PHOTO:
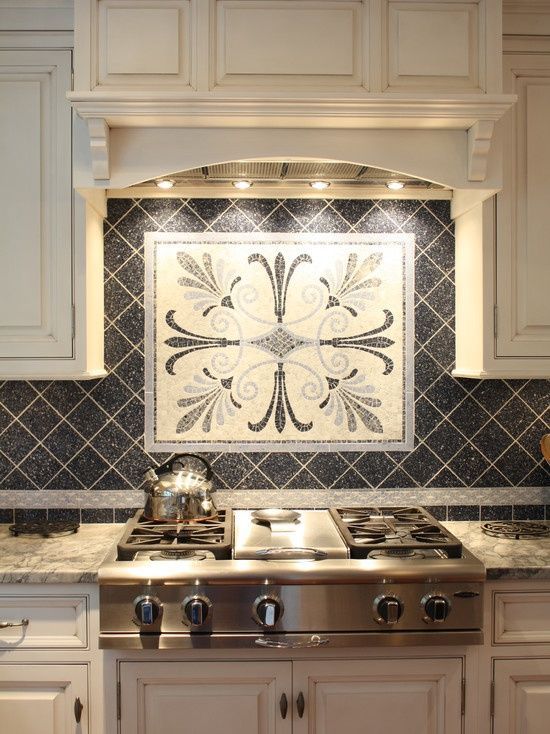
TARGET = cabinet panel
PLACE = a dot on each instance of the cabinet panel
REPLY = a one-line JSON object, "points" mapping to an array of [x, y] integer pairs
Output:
{"points": [[234, 698], [144, 43], [54, 622], [380, 695], [272, 43], [523, 255], [522, 696], [40, 699], [433, 45], [521, 618], [35, 180]]}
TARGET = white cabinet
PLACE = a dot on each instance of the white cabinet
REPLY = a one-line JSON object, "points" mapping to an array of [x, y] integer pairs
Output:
{"points": [[376, 696], [43, 699], [521, 696], [249, 697], [502, 252], [233, 698], [49, 279]]}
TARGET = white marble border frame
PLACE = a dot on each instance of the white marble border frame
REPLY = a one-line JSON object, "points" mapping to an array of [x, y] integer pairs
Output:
{"points": [[152, 238]]}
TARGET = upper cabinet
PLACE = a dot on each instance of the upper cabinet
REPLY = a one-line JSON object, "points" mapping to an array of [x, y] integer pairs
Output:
{"points": [[47, 286], [503, 257], [277, 45]]}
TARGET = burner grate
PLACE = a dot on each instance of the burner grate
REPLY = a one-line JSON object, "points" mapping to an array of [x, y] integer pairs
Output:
{"points": [[516, 529], [393, 528], [172, 537], [44, 529]]}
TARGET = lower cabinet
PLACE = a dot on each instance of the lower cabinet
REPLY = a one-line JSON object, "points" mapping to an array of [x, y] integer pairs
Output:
{"points": [[43, 699], [521, 696], [325, 697]]}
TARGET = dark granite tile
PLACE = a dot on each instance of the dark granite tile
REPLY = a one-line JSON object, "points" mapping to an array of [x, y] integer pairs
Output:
{"points": [[422, 464], [426, 418], [185, 220], [398, 478], [6, 516], [112, 480], [303, 210], [353, 209], [445, 441], [64, 442], [350, 480], [442, 347], [16, 395], [18, 481], [116, 251], [87, 418], [64, 480], [426, 275], [328, 221], [539, 477], [374, 466], [426, 227], [232, 221], [515, 464], [5, 418], [463, 512], [133, 226], [64, 514], [528, 512], [469, 464], [256, 209], [112, 442], [122, 514], [400, 211], [40, 466], [492, 394], [232, 468], [304, 480], [426, 371], [536, 394], [442, 210], [279, 468], [133, 465], [445, 480], [111, 394], [117, 208], [39, 418], [492, 478], [132, 323], [492, 440], [162, 209], [131, 275], [442, 252], [116, 298], [25, 515], [438, 511], [375, 221], [327, 467], [469, 417], [427, 323], [445, 393], [16, 442], [209, 209], [442, 298], [515, 416], [255, 480], [131, 418], [280, 220], [64, 395], [97, 514], [132, 370], [88, 466], [496, 512], [117, 347]]}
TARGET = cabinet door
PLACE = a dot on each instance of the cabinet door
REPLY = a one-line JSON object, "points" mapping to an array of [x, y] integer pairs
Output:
{"points": [[36, 206], [40, 699], [379, 696], [522, 696], [176, 698], [523, 254]]}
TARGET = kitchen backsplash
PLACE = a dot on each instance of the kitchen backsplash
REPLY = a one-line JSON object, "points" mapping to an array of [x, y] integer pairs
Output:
{"points": [[88, 435]]}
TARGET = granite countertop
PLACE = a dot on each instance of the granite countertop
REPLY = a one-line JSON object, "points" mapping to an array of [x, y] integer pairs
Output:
{"points": [[76, 558], [70, 559], [505, 559]]}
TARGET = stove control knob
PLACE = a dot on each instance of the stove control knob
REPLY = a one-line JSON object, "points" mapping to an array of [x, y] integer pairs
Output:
{"points": [[267, 611], [436, 608], [387, 609], [148, 609], [196, 610]]}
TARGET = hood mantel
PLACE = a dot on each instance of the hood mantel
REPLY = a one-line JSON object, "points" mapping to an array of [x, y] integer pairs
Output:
{"points": [[263, 65]]}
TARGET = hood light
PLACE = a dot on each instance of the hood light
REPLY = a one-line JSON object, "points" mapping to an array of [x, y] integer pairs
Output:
{"points": [[165, 183], [395, 185], [319, 185], [242, 184]]}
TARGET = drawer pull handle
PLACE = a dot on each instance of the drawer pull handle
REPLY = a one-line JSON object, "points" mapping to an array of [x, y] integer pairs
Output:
{"points": [[300, 704], [78, 707], [22, 623], [283, 706]]}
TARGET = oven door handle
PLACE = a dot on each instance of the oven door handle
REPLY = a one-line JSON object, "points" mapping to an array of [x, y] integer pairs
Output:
{"points": [[313, 641]]}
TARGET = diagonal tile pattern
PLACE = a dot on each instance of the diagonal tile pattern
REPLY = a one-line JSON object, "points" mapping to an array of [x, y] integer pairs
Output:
{"points": [[89, 435]]}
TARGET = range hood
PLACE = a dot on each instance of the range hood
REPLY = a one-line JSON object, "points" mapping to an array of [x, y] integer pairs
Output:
{"points": [[403, 86]]}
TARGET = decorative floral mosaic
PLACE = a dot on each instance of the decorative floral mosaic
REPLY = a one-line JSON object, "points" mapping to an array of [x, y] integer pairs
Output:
{"points": [[279, 342]]}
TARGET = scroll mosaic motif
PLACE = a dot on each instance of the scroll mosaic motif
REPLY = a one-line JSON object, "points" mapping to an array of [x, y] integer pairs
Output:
{"points": [[279, 342]]}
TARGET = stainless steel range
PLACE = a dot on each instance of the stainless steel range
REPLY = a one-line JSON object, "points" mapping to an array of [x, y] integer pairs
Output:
{"points": [[285, 578]]}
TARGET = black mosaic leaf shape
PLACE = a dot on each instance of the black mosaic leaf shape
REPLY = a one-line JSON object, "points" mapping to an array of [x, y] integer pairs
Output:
{"points": [[281, 403]]}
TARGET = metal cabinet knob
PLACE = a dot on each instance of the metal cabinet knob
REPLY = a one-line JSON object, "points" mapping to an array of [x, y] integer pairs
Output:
{"points": [[283, 706], [301, 705], [22, 623], [78, 708]]}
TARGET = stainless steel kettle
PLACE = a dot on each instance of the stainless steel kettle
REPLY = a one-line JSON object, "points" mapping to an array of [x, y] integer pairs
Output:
{"points": [[180, 490]]}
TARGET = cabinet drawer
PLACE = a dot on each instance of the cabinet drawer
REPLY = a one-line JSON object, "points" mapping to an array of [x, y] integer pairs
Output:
{"points": [[521, 618], [54, 622]]}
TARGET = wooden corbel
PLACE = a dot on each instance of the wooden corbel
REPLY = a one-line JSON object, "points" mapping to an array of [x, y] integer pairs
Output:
{"points": [[479, 145], [99, 147]]}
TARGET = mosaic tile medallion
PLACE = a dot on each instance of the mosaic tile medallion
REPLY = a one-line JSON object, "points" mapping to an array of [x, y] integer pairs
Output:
{"points": [[282, 342]]}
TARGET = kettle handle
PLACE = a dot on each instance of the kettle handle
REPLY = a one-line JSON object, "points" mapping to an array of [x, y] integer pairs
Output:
{"points": [[168, 467]]}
